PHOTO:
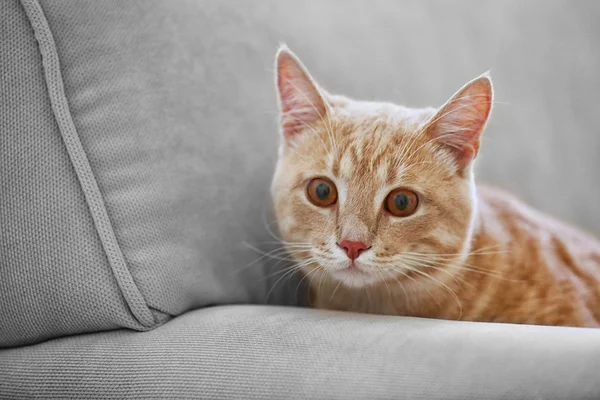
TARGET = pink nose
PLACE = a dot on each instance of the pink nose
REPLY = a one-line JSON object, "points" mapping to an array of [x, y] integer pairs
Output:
{"points": [[352, 248]]}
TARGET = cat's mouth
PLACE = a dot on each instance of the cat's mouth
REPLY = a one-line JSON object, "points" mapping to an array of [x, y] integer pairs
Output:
{"points": [[353, 275], [353, 268]]}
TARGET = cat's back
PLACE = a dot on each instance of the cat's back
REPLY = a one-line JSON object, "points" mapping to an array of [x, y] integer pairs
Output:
{"points": [[518, 219], [556, 266]]}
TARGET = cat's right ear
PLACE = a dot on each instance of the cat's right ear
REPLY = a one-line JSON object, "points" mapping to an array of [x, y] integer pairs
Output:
{"points": [[458, 124], [300, 101]]}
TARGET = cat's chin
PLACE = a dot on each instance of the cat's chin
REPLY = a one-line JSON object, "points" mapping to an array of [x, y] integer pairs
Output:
{"points": [[353, 277]]}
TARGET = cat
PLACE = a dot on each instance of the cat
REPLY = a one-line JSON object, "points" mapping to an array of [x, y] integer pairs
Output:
{"points": [[378, 206]]}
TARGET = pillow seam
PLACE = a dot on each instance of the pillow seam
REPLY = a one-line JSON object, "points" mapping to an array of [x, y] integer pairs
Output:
{"points": [[58, 100]]}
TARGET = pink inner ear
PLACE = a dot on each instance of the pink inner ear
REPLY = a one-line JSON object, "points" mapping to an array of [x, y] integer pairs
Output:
{"points": [[459, 123], [297, 112], [300, 100]]}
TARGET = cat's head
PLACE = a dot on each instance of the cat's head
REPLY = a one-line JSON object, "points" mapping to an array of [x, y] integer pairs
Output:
{"points": [[366, 192]]}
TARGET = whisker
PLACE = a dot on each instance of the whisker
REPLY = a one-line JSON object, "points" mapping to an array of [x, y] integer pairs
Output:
{"points": [[307, 244], [335, 290], [263, 255], [271, 254], [405, 266], [321, 282], [368, 298], [305, 276], [380, 276], [403, 289], [447, 256], [292, 268], [461, 266], [275, 254], [297, 267], [268, 228], [311, 276], [450, 274], [442, 284]]}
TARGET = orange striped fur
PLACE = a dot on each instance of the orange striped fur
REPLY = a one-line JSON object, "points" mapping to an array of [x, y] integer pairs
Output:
{"points": [[467, 253]]}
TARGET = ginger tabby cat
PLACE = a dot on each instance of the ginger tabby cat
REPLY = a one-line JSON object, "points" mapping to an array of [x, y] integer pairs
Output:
{"points": [[378, 206]]}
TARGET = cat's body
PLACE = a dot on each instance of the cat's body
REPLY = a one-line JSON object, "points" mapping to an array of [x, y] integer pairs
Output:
{"points": [[378, 205]]}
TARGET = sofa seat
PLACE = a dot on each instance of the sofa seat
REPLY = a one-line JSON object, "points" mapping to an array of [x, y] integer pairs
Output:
{"points": [[260, 352]]}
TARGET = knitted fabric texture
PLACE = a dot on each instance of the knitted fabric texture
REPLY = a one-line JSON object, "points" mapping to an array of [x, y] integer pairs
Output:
{"points": [[262, 352], [54, 275]]}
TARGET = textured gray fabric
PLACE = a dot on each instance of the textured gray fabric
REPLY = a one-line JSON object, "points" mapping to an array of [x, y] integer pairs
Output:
{"points": [[54, 276], [181, 167], [81, 165], [263, 352]]}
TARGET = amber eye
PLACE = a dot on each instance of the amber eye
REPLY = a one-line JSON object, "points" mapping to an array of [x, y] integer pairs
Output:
{"points": [[401, 202], [321, 192]]}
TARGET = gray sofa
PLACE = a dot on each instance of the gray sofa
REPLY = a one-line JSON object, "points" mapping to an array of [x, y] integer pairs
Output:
{"points": [[137, 141]]}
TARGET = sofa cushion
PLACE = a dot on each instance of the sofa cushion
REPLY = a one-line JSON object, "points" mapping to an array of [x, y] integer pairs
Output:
{"points": [[264, 352]]}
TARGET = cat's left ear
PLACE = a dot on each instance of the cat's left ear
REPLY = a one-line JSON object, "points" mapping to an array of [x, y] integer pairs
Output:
{"points": [[301, 102], [458, 124]]}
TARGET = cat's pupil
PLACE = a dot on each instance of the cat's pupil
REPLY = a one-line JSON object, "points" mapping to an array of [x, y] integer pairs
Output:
{"points": [[401, 201], [323, 191]]}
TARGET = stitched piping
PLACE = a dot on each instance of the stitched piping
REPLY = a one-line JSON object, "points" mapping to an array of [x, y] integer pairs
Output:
{"points": [[82, 167]]}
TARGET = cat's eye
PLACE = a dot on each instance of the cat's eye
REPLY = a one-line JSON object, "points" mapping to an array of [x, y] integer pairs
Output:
{"points": [[321, 192], [401, 202]]}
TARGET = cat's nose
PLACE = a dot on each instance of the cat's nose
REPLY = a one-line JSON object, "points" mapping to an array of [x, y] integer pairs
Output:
{"points": [[353, 248]]}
